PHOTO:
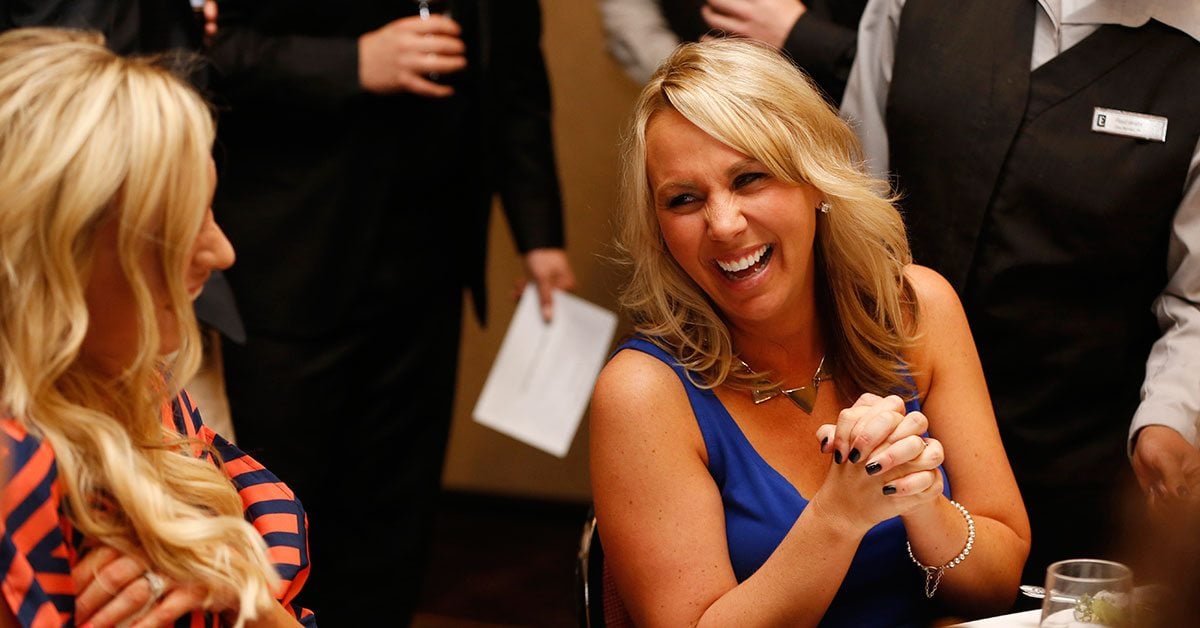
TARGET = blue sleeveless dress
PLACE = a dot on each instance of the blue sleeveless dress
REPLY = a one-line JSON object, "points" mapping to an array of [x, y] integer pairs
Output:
{"points": [[881, 588]]}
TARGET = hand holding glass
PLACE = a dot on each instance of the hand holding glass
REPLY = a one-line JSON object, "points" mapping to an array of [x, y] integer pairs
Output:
{"points": [[425, 8]]}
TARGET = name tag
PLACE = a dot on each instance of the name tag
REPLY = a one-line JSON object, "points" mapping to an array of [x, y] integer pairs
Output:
{"points": [[1140, 125]]}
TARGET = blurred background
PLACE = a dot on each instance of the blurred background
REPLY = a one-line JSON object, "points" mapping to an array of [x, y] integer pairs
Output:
{"points": [[509, 524], [592, 98]]}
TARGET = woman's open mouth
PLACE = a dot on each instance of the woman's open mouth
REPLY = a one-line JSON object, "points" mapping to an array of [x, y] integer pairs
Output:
{"points": [[747, 265]]}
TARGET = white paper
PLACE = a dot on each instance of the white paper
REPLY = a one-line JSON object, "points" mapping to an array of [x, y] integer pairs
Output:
{"points": [[543, 376]]}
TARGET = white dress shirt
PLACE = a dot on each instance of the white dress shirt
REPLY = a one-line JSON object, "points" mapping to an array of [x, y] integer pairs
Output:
{"points": [[639, 37]]}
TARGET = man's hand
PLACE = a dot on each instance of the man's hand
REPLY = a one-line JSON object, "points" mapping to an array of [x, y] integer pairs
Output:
{"points": [[400, 56], [550, 270], [768, 21], [1167, 466]]}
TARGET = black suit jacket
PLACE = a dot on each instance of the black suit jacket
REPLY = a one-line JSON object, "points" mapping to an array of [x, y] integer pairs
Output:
{"points": [[129, 26], [342, 203]]}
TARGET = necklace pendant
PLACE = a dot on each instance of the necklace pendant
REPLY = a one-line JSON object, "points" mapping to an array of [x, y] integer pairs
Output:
{"points": [[760, 396], [805, 397]]}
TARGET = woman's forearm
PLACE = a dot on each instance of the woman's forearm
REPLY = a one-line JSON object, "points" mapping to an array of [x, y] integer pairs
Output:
{"points": [[797, 583], [986, 580]]}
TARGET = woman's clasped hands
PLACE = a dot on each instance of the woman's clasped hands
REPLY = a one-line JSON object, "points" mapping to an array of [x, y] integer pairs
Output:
{"points": [[115, 589], [883, 465]]}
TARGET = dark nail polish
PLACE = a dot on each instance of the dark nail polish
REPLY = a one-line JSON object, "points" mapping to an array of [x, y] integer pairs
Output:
{"points": [[889, 490], [824, 442], [837, 456], [854, 455], [873, 468]]}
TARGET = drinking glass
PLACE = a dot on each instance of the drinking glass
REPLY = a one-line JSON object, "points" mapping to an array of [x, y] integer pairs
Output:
{"points": [[426, 8], [1085, 592]]}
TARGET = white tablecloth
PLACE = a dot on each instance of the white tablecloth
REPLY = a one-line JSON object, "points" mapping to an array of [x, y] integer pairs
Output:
{"points": [[1025, 619]]}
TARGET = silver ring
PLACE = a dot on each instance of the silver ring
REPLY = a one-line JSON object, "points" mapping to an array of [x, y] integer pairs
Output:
{"points": [[158, 586]]}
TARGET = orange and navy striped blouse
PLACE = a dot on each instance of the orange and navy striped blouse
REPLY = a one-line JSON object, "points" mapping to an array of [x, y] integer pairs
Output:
{"points": [[38, 546]]}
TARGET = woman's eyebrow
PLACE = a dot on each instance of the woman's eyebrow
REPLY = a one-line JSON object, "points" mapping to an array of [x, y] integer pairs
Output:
{"points": [[741, 165], [672, 186]]}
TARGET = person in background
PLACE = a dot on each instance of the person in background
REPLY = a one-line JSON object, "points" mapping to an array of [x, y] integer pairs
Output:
{"points": [[129, 26], [1030, 141], [360, 149], [143, 27], [819, 35], [800, 433], [119, 507]]}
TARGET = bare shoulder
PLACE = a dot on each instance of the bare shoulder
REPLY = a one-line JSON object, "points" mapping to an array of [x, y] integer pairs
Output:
{"points": [[630, 371], [640, 410], [633, 385], [935, 296]]}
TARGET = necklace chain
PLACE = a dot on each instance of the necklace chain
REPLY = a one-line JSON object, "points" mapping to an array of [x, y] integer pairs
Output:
{"points": [[805, 397]]}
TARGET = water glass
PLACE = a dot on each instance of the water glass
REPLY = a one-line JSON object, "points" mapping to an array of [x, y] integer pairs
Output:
{"points": [[425, 8], [1085, 592]]}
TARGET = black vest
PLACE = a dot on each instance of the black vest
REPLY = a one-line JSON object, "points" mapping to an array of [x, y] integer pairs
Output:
{"points": [[1055, 236]]}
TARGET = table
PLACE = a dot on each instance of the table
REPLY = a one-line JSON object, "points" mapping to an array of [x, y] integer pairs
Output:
{"points": [[1024, 619]]}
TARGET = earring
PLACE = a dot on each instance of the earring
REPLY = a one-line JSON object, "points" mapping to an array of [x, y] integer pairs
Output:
{"points": [[824, 207]]}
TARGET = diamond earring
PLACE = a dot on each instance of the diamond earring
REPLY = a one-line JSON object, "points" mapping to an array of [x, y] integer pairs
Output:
{"points": [[824, 207]]}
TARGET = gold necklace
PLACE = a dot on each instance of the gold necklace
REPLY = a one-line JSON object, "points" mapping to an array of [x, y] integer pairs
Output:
{"points": [[805, 397]]}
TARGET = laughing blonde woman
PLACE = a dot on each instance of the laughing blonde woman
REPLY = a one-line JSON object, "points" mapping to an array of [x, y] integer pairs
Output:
{"points": [[800, 433]]}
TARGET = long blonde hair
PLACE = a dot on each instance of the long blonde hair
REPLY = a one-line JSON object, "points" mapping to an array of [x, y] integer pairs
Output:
{"points": [[86, 137], [747, 96]]}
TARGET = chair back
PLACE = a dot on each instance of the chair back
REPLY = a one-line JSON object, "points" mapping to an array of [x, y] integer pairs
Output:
{"points": [[597, 601]]}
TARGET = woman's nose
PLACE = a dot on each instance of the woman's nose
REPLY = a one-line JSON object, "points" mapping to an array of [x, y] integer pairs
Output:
{"points": [[725, 219], [214, 251]]}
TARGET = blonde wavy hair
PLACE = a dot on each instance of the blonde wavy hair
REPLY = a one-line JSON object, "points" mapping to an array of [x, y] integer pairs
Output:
{"points": [[87, 137], [747, 96]]}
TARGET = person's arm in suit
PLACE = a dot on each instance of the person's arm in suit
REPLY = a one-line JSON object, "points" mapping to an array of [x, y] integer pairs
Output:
{"points": [[528, 174], [259, 68], [65, 13], [817, 42], [259, 61], [119, 20], [824, 46]]}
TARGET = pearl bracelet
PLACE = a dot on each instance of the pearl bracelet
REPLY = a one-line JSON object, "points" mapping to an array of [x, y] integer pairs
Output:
{"points": [[933, 575]]}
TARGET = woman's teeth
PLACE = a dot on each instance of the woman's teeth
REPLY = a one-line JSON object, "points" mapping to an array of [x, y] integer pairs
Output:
{"points": [[746, 265]]}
